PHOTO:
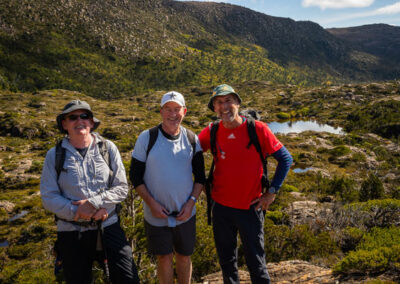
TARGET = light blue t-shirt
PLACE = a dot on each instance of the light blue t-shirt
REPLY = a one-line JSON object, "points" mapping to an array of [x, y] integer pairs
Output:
{"points": [[168, 175]]}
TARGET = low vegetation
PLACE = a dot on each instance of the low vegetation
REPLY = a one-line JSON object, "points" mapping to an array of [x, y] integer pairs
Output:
{"points": [[352, 179]]}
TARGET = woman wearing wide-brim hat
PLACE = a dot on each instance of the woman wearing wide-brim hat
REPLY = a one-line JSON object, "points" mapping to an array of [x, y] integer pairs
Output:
{"points": [[82, 188]]}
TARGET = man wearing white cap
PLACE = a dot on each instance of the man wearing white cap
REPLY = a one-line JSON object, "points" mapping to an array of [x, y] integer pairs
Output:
{"points": [[164, 160]]}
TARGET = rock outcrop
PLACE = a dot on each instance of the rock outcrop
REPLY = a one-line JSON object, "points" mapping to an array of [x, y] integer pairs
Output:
{"points": [[285, 272]]}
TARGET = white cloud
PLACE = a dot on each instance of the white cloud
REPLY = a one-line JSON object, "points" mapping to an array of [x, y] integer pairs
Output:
{"points": [[386, 10], [337, 4]]}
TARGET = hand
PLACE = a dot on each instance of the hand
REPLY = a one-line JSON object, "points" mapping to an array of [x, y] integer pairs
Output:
{"points": [[264, 201], [158, 211], [186, 211], [100, 214], [85, 210]]}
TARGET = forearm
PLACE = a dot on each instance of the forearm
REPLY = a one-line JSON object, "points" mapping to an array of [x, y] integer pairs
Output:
{"points": [[197, 188], [52, 198], [145, 194], [285, 161]]}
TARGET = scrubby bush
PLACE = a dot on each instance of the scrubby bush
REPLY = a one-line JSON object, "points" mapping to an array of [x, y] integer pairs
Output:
{"points": [[341, 187], [299, 242], [371, 188], [289, 188], [378, 252], [373, 213], [283, 115], [349, 238], [278, 217], [339, 151]]}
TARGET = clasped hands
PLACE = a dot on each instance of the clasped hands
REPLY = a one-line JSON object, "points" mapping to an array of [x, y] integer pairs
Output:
{"points": [[86, 211], [159, 211]]}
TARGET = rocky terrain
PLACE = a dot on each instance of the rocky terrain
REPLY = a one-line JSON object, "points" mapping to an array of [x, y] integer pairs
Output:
{"points": [[322, 227]]}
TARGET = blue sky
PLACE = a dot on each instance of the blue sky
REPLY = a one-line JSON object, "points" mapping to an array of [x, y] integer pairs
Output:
{"points": [[328, 13]]}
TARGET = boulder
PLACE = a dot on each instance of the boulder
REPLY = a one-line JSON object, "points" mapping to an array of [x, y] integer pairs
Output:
{"points": [[7, 205]]}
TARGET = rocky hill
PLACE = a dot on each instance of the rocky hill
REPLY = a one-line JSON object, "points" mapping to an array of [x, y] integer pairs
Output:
{"points": [[119, 48], [380, 40]]}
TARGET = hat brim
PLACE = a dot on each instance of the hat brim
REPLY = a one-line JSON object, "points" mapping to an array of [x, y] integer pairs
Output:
{"points": [[61, 116], [210, 103]]}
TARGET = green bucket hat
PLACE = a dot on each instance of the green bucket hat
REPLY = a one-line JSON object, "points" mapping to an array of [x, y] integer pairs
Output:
{"points": [[222, 90], [70, 107]]}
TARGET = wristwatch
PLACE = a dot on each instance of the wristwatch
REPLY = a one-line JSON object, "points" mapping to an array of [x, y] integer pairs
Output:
{"points": [[193, 198], [272, 190]]}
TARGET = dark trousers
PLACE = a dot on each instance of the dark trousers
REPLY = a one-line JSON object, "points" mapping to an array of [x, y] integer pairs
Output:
{"points": [[78, 251], [227, 222]]}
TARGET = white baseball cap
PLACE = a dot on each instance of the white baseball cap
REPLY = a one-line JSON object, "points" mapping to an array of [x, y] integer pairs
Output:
{"points": [[173, 97]]}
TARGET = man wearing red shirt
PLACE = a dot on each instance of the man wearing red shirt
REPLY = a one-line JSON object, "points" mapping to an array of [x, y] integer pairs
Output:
{"points": [[238, 202]]}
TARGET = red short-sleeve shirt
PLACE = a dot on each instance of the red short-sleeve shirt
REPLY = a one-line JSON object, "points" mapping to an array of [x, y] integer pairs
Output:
{"points": [[238, 170]]}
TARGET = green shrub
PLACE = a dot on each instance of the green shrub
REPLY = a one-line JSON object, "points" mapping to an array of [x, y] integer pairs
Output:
{"points": [[278, 217], [373, 213], [341, 187], [395, 192], [283, 115], [350, 238], [358, 157], [339, 151], [378, 252], [371, 188], [289, 188], [283, 243]]}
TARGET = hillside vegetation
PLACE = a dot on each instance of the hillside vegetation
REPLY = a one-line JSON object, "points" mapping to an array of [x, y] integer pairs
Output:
{"points": [[112, 49], [343, 213]]}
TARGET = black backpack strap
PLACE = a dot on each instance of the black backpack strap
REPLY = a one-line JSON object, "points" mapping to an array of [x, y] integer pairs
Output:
{"points": [[208, 187], [192, 139], [209, 181], [103, 149], [153, 132], [213, 139], [60, 158], [251, 129]]}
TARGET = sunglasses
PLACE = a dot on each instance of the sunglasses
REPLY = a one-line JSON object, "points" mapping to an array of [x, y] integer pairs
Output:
{"points": [[83, 116]]}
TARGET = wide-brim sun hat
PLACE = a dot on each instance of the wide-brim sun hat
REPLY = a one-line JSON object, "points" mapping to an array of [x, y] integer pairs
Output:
{"points": [[222, 90], [70, 107]]}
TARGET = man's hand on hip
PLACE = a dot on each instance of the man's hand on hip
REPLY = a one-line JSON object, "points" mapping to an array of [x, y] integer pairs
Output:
{"points": [[264, 201]]}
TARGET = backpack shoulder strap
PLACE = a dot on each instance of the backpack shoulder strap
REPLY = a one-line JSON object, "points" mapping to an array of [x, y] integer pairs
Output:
{"points": [[192, 139], [251, 129], [153, 132], [60, 158], [103, 149], [213, 138]]}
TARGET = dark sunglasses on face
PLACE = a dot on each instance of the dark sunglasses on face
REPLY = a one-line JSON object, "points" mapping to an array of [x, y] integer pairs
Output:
{"points": [[83, 116]]}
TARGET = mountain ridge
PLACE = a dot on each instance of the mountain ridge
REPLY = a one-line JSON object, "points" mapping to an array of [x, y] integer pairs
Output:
{"points": [[118, 48]]}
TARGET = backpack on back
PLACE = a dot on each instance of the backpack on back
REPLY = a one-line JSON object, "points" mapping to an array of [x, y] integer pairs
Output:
{"points": [[60, 156], [251, 130], [103, 149]]}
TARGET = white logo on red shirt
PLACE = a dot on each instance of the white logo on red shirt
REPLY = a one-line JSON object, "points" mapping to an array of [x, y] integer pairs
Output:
{"points": [[232, 136]]}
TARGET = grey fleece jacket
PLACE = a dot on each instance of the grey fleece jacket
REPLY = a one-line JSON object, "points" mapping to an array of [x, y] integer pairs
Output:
{"points": [[83, 178]]}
